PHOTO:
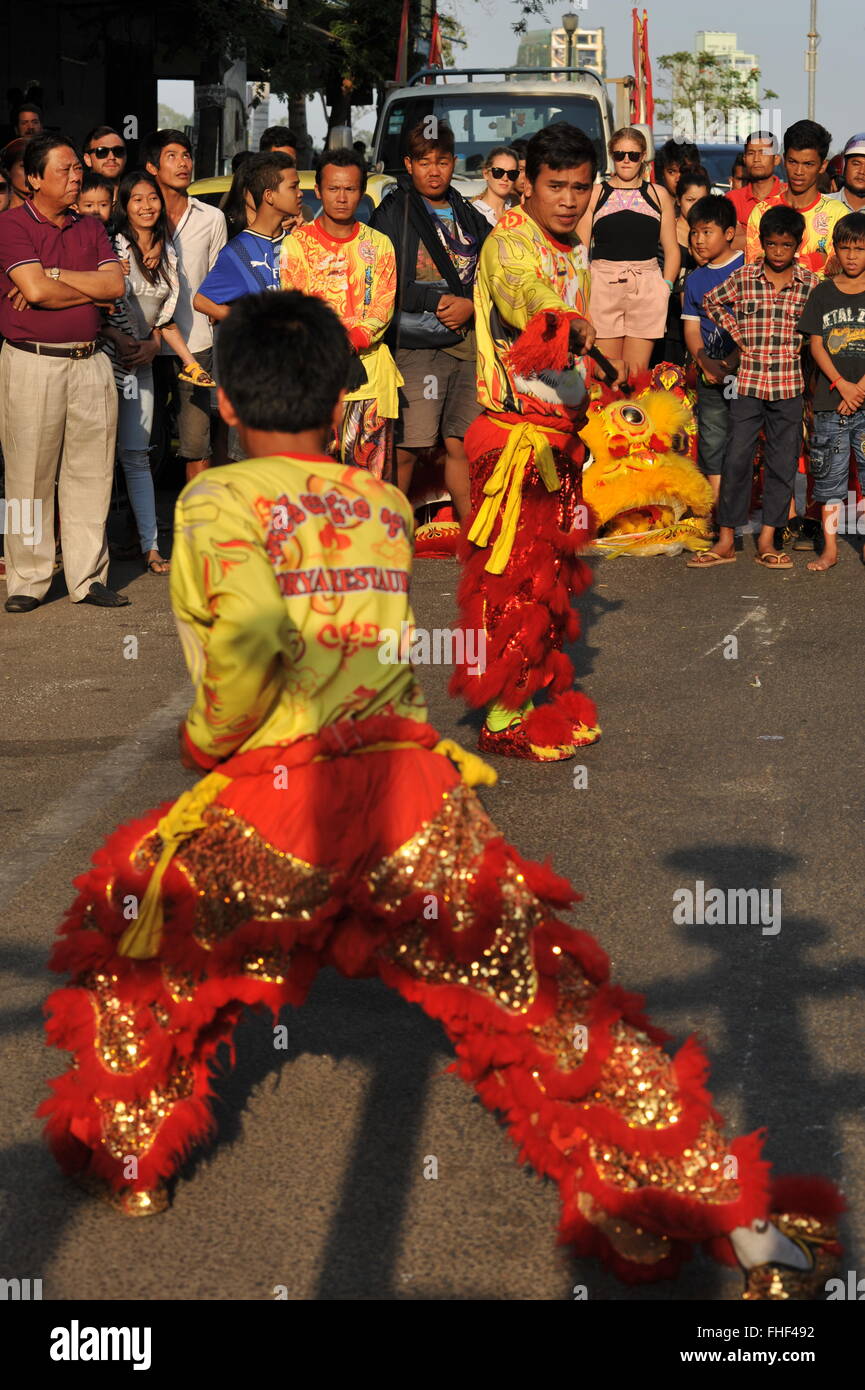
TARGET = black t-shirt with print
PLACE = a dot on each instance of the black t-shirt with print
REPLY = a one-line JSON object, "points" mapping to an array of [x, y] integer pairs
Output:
{"points": [[840, 320]]}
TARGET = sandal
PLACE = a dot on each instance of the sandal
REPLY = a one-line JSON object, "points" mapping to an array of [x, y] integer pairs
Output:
{"points": [[708, 559], [157, 566], [196, 375], [770, 560]]}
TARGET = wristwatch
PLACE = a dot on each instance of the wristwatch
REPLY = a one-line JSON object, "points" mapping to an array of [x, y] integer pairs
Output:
{"points": [[53, 273]]}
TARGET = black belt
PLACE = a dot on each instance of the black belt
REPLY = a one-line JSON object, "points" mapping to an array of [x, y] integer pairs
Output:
{"points": [[76, 353]]}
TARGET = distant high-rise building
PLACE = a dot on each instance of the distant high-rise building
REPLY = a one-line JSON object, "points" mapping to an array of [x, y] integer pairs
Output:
{"points": [[711, 126], [725, 47], [548, 48]]}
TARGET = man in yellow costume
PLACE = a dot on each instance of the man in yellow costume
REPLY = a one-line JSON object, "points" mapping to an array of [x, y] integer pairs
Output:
{"points": [[353, 268], [332, 827], [528, 524]]}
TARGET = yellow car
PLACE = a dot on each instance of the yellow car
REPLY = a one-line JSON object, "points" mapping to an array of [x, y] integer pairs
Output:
{"points": [[212, 191]]}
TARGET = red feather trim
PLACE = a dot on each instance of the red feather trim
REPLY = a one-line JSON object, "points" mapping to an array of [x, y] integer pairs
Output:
{"points": [[811, 1196], [543, 344]]}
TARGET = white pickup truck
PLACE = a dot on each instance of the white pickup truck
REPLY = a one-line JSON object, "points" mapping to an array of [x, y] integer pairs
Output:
{"points": [[483, 113]]}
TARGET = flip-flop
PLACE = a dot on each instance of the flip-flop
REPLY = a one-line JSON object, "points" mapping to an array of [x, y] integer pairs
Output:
{"points": [[708, 559], [773, 561]]}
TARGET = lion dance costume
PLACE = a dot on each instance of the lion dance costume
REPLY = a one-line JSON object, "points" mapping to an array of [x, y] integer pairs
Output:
{"points": [[521, 554], [332, 827]]}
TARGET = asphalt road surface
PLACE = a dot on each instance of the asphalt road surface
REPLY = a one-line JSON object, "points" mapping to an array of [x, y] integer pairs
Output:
{"points": [[738, 771]]}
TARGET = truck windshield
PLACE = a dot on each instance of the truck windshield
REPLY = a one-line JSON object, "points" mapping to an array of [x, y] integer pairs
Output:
{"points": [[482, 122]]}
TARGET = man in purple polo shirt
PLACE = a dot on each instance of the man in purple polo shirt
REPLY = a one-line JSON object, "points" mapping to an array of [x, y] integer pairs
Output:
{"points": [[58, 401]]}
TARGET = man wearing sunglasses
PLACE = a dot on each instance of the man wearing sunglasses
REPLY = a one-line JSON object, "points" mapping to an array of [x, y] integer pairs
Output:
{"points": [[105, 153]]}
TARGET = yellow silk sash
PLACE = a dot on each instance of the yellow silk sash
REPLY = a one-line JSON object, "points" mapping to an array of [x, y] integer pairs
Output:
{"points": [[504, 487]]}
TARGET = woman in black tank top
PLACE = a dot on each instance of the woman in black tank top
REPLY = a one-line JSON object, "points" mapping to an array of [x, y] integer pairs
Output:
{"points": [[626, 220]]}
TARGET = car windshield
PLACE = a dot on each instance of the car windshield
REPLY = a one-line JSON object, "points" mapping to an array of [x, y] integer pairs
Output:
{"points": [[480, 123], [717, 160]]}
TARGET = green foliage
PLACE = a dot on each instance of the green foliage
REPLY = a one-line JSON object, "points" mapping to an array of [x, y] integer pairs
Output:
{"points": [[703, 80], [169, 119]]}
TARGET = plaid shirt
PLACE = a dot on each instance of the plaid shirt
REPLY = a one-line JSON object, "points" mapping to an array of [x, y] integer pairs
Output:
{"points": [[764, 326]]}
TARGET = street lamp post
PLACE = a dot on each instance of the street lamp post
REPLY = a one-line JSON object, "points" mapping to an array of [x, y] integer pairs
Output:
{"points": [[811, 59], [569, 24]]}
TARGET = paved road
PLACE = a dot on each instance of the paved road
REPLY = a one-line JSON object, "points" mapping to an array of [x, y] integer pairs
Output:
{"points": [[744, 772]]}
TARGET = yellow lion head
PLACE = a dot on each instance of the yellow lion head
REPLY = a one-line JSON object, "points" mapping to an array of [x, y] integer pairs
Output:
{"points": [[641, 481]]}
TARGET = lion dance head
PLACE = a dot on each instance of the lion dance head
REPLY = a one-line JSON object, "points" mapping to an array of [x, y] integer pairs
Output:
{"points": [[641, 481]]}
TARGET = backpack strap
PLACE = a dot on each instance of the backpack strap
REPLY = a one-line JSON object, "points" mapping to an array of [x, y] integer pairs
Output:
{"points": [[426, 232]]}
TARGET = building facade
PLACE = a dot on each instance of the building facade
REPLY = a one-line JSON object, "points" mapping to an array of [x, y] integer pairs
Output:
{"points": [[548, 48]]}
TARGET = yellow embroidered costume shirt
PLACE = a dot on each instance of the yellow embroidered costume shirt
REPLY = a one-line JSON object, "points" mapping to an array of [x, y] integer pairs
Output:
{"points": [[287, 575], [523, 271], [820, 219], [357, 278]]}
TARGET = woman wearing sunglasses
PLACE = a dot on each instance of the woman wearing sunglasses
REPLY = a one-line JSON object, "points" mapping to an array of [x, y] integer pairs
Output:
{"points": [[501, 169], [626, 219]]}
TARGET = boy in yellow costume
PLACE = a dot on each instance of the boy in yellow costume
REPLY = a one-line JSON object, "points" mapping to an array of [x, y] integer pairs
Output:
{"points": [[352, 267], [521, 554], [333, 828]]}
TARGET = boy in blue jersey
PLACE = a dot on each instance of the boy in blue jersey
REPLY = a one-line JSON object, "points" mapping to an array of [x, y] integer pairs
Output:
{"points": [[250, 262], [713, 225]]}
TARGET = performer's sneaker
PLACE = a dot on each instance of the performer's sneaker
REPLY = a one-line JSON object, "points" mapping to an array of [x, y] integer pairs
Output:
{"points": [[818, 1241], [586, 734], [513, 742]]}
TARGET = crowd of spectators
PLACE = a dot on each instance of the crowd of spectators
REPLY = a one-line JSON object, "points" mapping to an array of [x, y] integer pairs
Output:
{"points": [[113, 282]]}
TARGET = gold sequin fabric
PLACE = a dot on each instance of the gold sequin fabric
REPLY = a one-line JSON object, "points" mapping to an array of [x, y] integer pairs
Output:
{"points": [[443, 861], [636, 1084], [240, 877], [118, 1038], [698, 1172], [129, 1127]]}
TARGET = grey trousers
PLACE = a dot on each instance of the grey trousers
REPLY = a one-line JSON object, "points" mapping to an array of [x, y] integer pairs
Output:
{"points": [[58, 423], [782, 421]]}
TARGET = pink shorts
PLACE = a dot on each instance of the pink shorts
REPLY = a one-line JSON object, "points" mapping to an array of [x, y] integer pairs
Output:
{"points": [[629, 299]]}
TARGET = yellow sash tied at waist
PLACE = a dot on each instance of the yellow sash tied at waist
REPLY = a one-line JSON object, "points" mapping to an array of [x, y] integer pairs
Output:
{"points": [[504, 487], [143, 936]]}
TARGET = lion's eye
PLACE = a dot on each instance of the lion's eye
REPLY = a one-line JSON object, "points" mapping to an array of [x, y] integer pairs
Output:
{"points": [[633, 414]]}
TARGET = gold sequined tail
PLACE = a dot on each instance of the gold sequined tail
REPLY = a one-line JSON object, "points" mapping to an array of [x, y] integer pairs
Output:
{"points": [[588, 1093], [137, 1097]]}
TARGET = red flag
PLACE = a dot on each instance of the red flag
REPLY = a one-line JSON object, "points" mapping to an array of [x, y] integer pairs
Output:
{"points": [[649, 98], [435, 44], [636, 90], [401, 75]]}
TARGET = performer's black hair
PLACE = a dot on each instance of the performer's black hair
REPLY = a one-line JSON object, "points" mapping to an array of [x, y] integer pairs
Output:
{"points": [[713, 208], [849, 230], [782, 221], [559, 146], [282, 359]]}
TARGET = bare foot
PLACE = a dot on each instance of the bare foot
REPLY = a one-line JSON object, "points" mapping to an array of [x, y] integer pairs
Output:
{"points": [[824, 562]]}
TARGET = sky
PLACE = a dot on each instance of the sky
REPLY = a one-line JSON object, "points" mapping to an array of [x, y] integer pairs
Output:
{"points": [[774, 30]]}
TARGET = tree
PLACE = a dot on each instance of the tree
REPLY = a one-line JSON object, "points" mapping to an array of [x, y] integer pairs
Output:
{"points": [[708, 97]]}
